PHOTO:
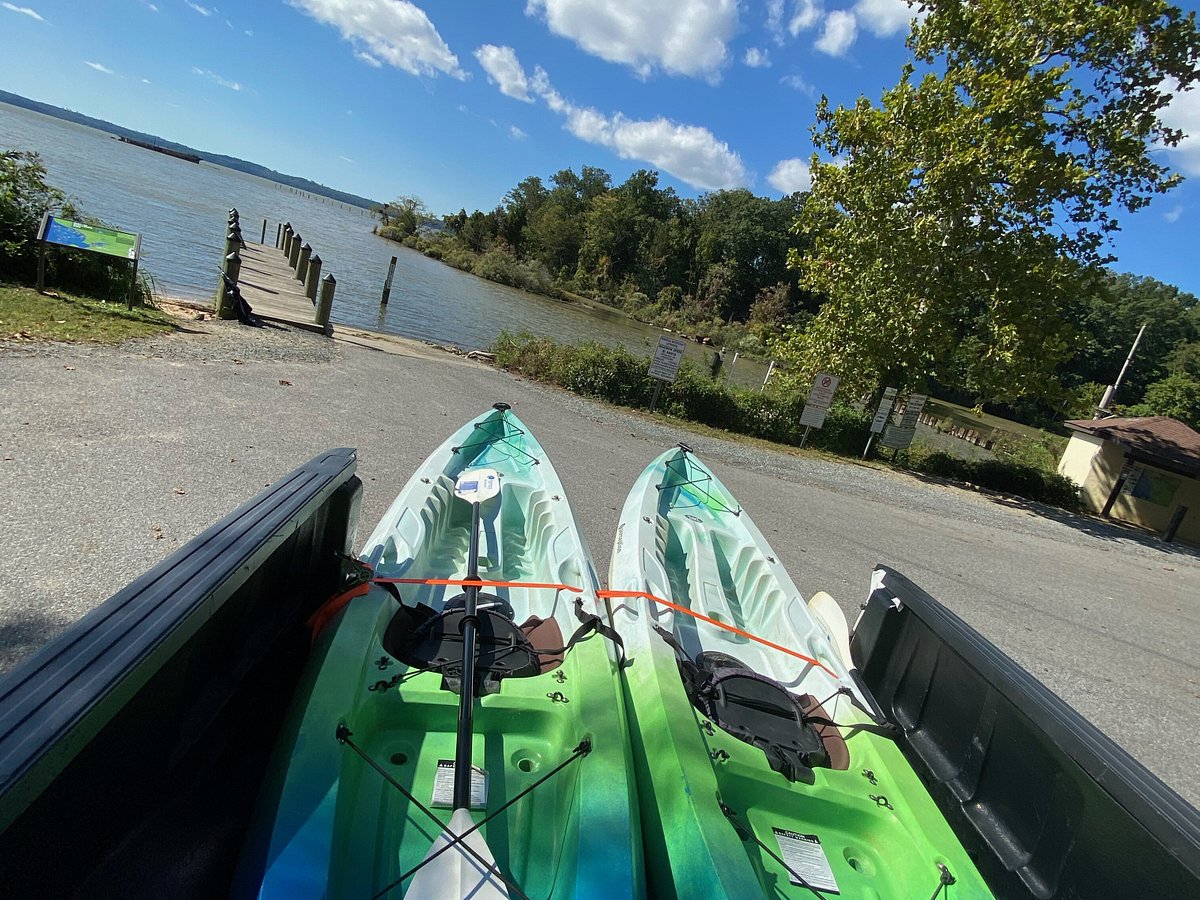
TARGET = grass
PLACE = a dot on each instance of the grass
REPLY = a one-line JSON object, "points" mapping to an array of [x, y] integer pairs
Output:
{"points": [[26, 315]]}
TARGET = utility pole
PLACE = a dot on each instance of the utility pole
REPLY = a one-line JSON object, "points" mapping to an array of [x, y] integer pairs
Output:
{"points": [[1112, 389]]}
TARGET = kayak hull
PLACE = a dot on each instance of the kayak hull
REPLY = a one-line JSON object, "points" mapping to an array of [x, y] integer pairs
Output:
{"points": [[333, 825], [719, 820]]}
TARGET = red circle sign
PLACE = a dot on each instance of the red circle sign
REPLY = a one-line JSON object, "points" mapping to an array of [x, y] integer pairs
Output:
{"points": [[826, 381]]}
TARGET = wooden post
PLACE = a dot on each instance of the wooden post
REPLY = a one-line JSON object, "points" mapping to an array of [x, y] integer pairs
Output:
{"points": [[288, 234], [278, 233], [314, 276], [325, 307], [231, 242], [263, 239], [302, 262], [294, 252], [231, 266], [387, 284], [1176, 520]]}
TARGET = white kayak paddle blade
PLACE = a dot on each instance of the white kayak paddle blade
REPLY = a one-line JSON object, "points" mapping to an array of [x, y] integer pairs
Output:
{"points": [[477, 485], [457, 874], [826, 611]]}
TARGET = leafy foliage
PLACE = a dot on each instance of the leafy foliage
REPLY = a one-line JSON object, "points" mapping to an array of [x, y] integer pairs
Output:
{"points": [[1177, 396], [24, 198], [974, 202]]}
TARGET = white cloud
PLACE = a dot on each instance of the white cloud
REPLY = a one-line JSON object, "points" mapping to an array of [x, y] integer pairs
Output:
{"points": [[504, 70], [147, 81], [798, 83], [1172, 215], [756, 58], [790, 175], [364, 56], [391, 31], [683, 37], [884, 18], [689, 152], [775, 20], [23, 10], [217, 79], [346, 159], [1183, 113], [805, 15], [840, 32], [99, 67], [203, 10], [516, 133]]}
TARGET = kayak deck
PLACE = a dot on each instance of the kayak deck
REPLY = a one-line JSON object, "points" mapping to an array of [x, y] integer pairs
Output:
{"points": [[333, 826], [716, 814]]}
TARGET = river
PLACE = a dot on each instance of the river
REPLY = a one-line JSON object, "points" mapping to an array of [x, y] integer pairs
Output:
{"points": [[180, 209]]}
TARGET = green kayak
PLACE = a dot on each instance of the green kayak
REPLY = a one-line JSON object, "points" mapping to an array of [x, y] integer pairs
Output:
{"points": [[763, 767], [472, 635]]}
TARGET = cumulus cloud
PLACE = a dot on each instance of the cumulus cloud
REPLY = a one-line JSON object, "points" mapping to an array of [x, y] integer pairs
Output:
{"points": [[805, 15], [756, 58], [840, 32], [689, 152], [798, 83], [1183, 113], [216, 79], [504, 70], [390, 31], [23, 10], [99, 67], [682, 37], [884, 18], [790, 175]]}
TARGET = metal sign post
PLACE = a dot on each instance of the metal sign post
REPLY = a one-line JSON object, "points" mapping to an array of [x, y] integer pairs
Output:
{"points": [[886, 402], [817, 404], [665, 365]]}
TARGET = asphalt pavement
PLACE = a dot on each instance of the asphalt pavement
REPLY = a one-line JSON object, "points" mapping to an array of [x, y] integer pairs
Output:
{"points": [[114, 457]]}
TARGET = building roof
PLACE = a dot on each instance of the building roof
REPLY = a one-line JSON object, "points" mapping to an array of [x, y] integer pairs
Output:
{"points": [[1157, 440]]}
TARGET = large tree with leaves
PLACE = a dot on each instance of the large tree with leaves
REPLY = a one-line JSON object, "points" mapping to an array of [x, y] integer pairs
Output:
{"points": [[971, 204]]}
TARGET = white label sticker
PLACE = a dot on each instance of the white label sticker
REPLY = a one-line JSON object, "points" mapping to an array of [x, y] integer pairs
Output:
{"points": [[443, 786], [802, 853]]}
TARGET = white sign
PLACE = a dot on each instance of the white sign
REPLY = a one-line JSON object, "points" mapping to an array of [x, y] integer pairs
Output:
{"points": [[819, 398], [443, 786], [885, 409], [665, 365], [804, 856], [900, 437]]}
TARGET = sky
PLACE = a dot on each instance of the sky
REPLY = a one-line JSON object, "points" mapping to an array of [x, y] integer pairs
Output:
{"points": [[457, 101]]}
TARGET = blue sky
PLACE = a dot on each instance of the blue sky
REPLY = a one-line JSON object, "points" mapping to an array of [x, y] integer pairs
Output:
{"points": [[457, 101]]}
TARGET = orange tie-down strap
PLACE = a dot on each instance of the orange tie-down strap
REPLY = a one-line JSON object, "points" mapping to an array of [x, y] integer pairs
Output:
{"points": [[711, 621]]}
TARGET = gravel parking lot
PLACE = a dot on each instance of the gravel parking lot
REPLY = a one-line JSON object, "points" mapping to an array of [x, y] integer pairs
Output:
{"points": [[113, 458]]}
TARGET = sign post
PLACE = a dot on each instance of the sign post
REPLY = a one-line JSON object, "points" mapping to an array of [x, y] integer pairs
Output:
{"points": [[817, 404], [886, 402], [95, 238], [899, 437], [665, 365]]}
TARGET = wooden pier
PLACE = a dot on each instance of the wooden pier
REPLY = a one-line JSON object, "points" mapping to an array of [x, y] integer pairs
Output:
{"points": [[270, 286]]}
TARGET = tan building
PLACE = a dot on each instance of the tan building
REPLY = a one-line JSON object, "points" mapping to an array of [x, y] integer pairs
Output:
{"points": [[1140, 470]]}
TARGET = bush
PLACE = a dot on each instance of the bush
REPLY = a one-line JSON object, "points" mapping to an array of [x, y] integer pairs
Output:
{"points": [[24, 199], [1001, 475]]}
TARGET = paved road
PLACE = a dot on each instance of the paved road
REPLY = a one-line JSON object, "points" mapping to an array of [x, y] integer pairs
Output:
{"points": [[114, 458]]}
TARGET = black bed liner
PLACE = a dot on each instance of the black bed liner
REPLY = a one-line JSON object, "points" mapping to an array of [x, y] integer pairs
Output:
{"points": [[131, 746], [1047, 805]]}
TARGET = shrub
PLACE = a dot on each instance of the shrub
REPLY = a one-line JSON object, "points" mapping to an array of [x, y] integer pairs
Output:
{"points": [[1001, 475]]}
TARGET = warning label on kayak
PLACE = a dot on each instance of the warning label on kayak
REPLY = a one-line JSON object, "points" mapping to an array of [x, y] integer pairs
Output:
{"points": [[804, 856], [443, 786]]}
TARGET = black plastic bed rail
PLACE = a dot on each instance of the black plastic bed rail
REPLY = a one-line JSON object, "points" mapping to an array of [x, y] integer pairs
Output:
{"points": [[1047, 805], [132, 746]]}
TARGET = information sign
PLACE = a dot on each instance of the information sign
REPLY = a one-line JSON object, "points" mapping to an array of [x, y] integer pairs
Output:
{"points": [[900, 436], [819, 398], [885, 409], [665, 365], [109, 241]]}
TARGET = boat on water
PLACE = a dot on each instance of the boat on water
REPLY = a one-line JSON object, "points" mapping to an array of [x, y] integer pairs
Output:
{"points": [[764, 767], [459, 729]]}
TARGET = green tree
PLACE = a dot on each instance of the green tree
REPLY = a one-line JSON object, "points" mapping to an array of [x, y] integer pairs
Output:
{"points": [[24, 198], [975, 201], [1177, 396]]}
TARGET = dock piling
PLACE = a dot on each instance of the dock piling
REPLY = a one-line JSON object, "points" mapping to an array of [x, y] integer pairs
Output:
{"points": [[387, 284], [325, 307], [294, 253], [313, 278], [302, 262], [231, 268]]}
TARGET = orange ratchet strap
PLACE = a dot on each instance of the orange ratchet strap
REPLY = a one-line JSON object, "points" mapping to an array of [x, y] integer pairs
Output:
{"points": [[719, 624]]}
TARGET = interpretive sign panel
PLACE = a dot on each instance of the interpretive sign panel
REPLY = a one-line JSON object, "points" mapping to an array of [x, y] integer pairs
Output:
{"points": [[819, 398], [665, 365], [900, 436], [885, 409], [109, 241]]}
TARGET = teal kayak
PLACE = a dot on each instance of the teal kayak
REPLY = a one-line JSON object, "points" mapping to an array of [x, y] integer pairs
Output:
{"points": [[471, 633], [764, 768]]}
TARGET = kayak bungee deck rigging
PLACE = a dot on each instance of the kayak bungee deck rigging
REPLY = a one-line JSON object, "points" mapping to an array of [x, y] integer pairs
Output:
{"points": [[764, 767], [459, 730]]}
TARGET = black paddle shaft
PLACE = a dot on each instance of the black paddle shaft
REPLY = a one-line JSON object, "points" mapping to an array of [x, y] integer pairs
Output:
{"points": [[466, 690]]}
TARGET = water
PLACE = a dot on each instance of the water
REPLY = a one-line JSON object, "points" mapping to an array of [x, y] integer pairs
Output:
{"points": [[180, 209]]}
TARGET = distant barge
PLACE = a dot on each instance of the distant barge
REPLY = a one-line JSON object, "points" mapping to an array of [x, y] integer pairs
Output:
{"points": [[189, 157]]}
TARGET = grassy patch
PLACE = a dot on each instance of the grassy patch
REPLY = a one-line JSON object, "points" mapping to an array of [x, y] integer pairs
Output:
{"points": [[27, 315]]}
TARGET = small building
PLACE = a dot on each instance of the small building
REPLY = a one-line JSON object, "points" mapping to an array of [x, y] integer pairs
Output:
{"points": [[1140, 470]]}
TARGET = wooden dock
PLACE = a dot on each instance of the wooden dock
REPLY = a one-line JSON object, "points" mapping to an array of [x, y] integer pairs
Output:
{"points": [[270, 287]]}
